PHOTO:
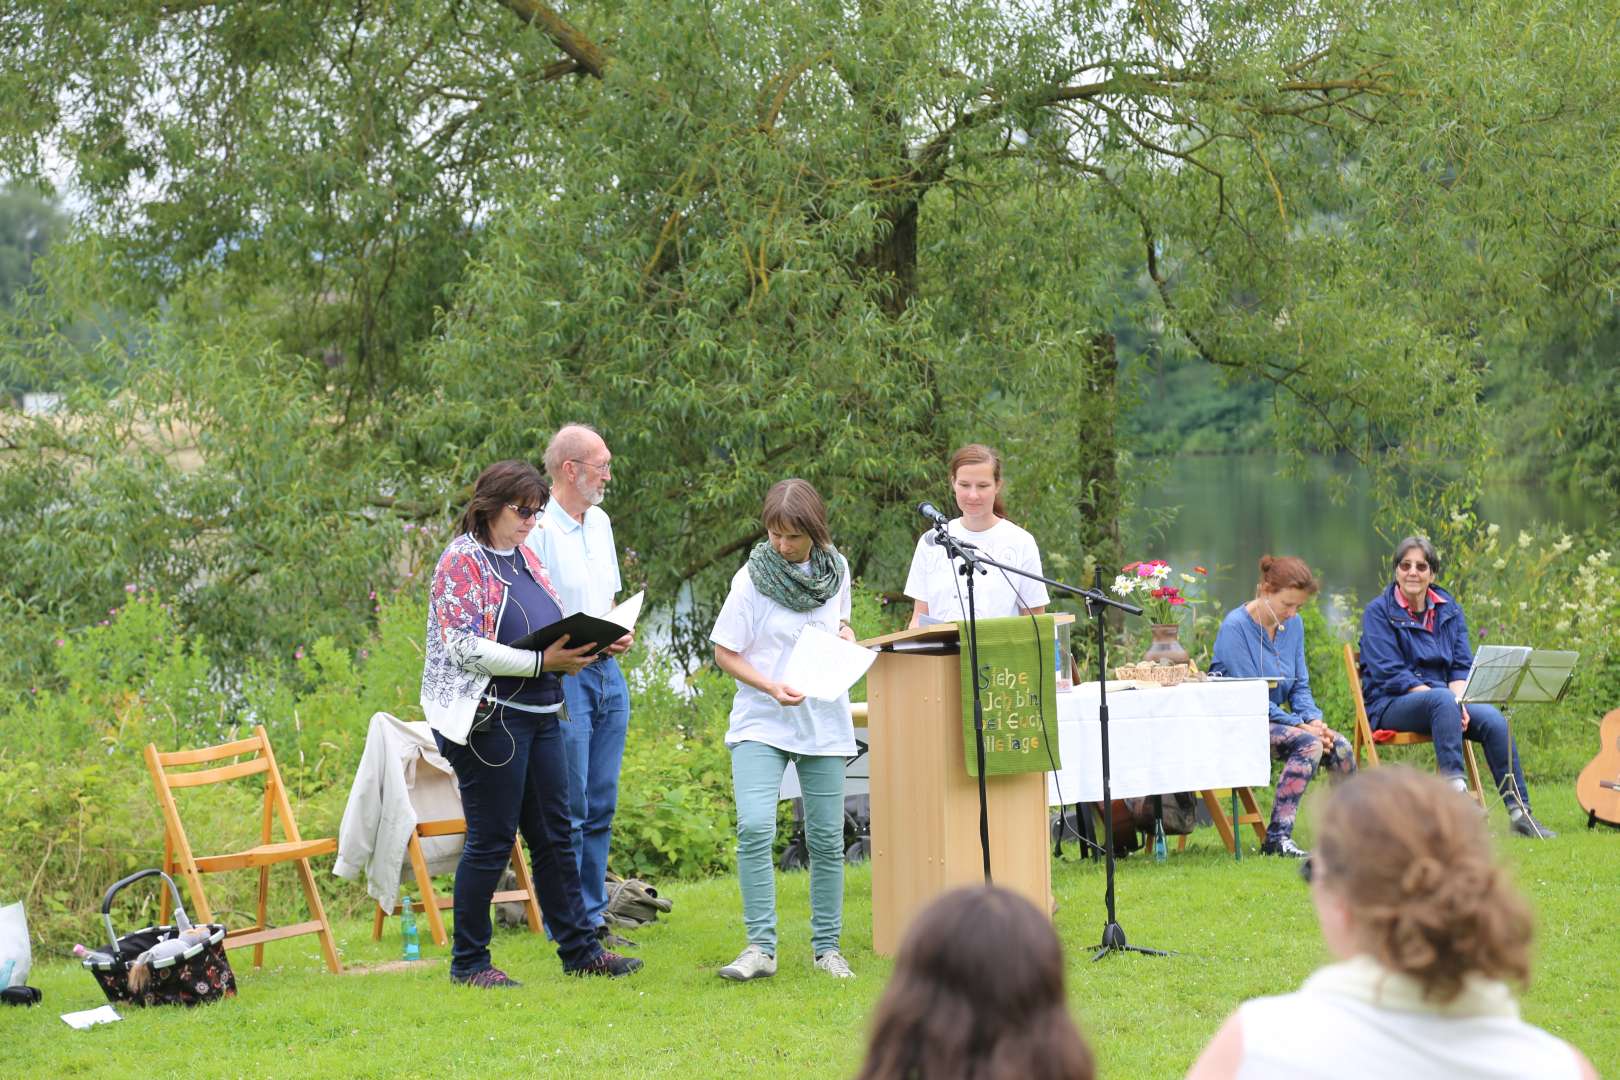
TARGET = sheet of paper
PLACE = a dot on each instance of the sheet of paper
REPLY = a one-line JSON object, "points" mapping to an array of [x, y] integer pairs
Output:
{"points": [[89, 1018], [824, 665], [627, 613]]}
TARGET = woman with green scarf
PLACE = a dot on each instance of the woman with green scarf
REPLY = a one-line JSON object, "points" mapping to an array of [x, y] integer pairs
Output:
{"points": [[794, 578]]}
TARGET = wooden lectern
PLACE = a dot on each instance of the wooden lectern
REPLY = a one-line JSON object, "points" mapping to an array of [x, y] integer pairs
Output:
{"points": [[925, 806]]}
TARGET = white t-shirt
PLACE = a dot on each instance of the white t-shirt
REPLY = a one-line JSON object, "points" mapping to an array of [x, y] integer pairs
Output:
{"points": [[934, 581], [764, 632]]}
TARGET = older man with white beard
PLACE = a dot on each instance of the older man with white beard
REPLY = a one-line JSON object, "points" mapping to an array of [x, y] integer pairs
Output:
{"points": [[575, 542]]}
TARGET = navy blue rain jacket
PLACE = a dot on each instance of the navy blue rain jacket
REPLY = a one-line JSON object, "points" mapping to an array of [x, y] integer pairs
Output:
{"points": [[1397, 653]]}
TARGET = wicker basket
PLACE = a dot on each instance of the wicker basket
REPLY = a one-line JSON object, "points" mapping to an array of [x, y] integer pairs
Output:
{"points": [[1162, 674]]}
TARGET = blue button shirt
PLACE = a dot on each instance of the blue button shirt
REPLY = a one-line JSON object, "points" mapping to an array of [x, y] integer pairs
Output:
{"points": [[1245, 651]]}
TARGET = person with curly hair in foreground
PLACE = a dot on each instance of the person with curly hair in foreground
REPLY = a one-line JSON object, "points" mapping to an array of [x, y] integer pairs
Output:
{"points": [[1429, 934], [977, 994]]}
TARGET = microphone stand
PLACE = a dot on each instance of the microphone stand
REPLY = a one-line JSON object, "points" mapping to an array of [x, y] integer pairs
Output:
{"points": [[970, 559], [1097, 604], [1113, 935]]}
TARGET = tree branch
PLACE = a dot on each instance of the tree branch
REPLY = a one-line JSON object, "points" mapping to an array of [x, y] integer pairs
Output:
{"points": [[713, 557], [580, 49]]}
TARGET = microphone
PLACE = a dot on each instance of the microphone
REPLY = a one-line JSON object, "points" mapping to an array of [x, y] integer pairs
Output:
{"points": [[927, 510], [932, 540]]}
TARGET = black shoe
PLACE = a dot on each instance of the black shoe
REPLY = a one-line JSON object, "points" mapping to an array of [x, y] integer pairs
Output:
{"points": [[1522, 822], [1284, 847], [491, 978], [610, 940], [610, 964]]}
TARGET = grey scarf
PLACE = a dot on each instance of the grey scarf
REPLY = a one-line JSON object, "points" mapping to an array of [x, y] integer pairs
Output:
{"points": [[791, 587]]}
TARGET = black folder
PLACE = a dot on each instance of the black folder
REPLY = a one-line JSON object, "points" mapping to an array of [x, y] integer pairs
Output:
{"points": [[580, 628]]}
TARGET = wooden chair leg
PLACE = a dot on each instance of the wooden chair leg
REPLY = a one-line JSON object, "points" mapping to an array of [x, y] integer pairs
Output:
{"points": [[165, 901], [424, 887], [520, 867], [201, 912], [263, 913], [1252, 815], [1181, 843], [318, 910], [1218, 816], [1473, 773], [377, 923]]}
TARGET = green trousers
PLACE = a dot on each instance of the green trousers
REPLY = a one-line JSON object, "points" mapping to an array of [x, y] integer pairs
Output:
{"points": [[756, 777]]}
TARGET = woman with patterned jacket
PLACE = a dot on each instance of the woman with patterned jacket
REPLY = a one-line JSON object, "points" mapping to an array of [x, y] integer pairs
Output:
{"points": [[495, 713]]}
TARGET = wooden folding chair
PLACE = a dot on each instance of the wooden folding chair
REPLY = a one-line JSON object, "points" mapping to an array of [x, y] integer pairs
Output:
{"points": [[433, 903], [1363, 742], [254, 756], [1250, 815]]}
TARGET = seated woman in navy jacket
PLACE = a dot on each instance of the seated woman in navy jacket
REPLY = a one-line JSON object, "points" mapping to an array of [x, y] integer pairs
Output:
{"points": [[1415, 660]]}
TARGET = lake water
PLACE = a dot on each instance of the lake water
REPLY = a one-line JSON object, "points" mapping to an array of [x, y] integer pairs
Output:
{"points": [[1235, 509]]}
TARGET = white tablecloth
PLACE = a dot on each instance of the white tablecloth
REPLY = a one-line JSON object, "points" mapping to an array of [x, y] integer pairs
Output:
{"points": [[1174, 738]]}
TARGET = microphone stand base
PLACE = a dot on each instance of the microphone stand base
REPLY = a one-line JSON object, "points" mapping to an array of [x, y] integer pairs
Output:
{"points": [[1113, 940]]}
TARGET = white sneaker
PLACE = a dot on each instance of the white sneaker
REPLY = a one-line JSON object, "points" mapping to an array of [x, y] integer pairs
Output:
{"points": [[752, 963], [833, 963]]}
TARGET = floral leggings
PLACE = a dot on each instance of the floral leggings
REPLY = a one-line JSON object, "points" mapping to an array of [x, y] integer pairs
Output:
{"points": [[1302, 755]]}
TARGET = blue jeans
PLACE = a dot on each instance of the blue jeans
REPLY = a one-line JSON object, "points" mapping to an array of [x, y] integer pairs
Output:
{"points": [[593, 737], [1435, 713], [512, 778], [756, 777]]}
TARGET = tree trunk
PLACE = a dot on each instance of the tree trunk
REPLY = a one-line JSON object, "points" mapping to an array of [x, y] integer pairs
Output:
{"points": [[1098, 501]]}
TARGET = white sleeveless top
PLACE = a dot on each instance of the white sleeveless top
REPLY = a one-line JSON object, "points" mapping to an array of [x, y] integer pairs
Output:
{"points": [[1356, 1020]]}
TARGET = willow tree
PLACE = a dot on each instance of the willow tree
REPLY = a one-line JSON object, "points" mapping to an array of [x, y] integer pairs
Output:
{"points": [[825, 239]]}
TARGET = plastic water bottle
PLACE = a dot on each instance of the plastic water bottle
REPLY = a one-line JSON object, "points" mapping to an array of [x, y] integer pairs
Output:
{"points": [[88, 956], [407, 923]]}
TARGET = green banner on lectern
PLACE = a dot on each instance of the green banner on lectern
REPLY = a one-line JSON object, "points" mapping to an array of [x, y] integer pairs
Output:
{"points": [[1018, 687]]}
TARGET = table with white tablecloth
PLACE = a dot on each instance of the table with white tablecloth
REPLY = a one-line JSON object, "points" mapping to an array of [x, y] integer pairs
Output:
{"points": [[1195, 736]]}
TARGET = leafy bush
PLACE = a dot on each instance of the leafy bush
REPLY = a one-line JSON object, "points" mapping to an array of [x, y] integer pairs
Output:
{"points": [[76, 804], [676, 815]]}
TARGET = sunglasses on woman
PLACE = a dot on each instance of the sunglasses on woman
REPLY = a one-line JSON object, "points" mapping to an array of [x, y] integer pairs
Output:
{"points": [[524, 512]]}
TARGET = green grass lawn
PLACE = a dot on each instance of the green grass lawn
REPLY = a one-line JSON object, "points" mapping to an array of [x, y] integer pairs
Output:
{"points": [[1238, 929]]}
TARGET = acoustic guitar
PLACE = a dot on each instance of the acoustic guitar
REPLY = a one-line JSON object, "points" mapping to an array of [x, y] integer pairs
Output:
{"points": [[1598, 786]]}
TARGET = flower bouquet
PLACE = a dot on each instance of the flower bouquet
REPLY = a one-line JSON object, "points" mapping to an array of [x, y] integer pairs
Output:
{"points": [[1148, 583]]}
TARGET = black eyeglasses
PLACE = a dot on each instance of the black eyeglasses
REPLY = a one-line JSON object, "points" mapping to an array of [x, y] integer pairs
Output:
{"points": [[524, 512]]}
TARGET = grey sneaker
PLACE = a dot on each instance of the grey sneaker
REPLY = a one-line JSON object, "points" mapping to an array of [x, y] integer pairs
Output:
{"points": [[1521, 822], [752, 963], [833, 963]]}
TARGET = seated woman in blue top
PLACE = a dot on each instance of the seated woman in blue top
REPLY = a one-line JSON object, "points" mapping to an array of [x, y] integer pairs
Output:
{"points": [[1265, 638], [1415, 660]]}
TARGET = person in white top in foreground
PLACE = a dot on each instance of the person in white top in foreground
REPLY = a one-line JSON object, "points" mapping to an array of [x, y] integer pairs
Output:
{"points": [[793, 579], [934, 585], [1428, 931]]}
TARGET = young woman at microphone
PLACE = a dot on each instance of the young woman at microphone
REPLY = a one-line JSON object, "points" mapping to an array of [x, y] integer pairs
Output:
{"points": [[934, 585]]}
